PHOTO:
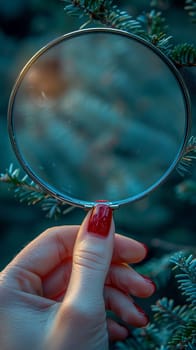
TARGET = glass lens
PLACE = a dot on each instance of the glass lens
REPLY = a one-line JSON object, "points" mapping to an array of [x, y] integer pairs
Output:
{"points": [[98, 114]]}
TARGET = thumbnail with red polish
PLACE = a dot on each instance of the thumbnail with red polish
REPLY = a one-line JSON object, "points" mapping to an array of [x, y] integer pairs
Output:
{"points": [[100, 220]]}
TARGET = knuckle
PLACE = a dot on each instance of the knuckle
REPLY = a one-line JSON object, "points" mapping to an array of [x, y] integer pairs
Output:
{"points": [[90, 260]]}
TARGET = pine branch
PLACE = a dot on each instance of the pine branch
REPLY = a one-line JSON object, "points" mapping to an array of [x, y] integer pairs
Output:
{"points": [[191, 8], [104, 12], [29, 192], [186, 163], [184, 337], [150, 336], [155, 25], [173, 326], [122, 20], [184, 55], [187, 276], [25, 189], [150, 26], [168, 314]]}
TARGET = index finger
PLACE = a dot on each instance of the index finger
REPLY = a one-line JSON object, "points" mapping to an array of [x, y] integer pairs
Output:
{"points": [[46, 252]]}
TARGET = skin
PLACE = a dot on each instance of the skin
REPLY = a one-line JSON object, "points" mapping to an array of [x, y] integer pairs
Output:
{"points": [[55, 292]]}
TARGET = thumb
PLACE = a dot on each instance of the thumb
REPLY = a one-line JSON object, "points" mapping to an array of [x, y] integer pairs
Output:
{"points": [[83, 309], [92, 254]]}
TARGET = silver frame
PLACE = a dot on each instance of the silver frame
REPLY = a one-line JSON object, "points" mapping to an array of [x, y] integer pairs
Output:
{"points": [[73, 201]]}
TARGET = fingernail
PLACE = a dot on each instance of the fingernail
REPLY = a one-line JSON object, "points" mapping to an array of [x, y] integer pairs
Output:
{"points": [[150, 281], [146, 249], [142, 313], [100, 220]]}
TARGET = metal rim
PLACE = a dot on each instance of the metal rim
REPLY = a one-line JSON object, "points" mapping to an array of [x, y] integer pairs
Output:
{"points": [[89, 204]]}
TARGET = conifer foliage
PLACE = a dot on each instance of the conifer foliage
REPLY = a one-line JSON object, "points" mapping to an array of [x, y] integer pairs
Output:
{"points": [[172, 326], [173, 322], [30, 193], [150, 26], [191, 8]]}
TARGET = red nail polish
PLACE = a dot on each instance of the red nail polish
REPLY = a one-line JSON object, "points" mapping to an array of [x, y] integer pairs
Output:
{"points": [[150, 281], [142, 313], [146, 249], [100, 220]]}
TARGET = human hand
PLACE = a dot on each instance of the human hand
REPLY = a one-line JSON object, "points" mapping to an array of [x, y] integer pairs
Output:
{"points": [[55, 292]]}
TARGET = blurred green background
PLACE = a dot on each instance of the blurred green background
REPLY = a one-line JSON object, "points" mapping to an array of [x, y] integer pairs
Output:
{"points": [[165, 220]]}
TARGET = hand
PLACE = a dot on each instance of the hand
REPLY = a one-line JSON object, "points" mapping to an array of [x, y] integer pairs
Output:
{"points": [[55, 292]]}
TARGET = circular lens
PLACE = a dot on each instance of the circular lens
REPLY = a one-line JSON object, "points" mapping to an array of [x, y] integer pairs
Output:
{"points": [[99, 114]]}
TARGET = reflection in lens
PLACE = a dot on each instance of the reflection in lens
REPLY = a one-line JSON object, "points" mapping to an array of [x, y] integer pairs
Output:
{"points": [[98, 115]]}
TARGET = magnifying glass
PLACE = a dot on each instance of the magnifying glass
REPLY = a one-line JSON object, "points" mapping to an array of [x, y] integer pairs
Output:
{"points": [[99, 114]]}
